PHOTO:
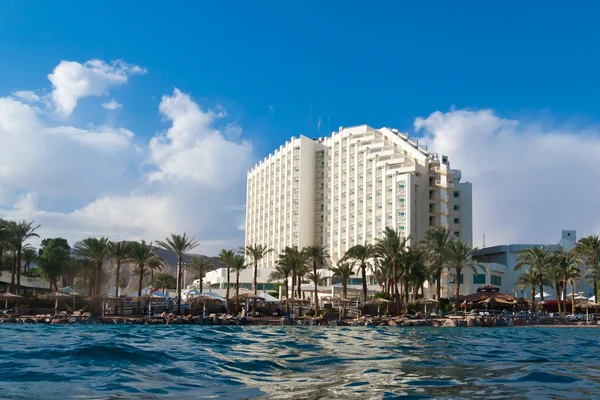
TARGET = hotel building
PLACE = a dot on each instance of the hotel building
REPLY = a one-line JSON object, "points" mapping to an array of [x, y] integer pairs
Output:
{"points": [[345, 189]]}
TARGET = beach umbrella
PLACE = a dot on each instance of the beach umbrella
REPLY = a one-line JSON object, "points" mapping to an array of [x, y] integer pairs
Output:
{"points": [[55, 296], [6, 296], [546, 295], [379, 301], [593, 298], [203, 298]]}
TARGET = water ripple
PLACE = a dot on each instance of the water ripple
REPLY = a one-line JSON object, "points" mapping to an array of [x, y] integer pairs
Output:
{"points": [[195, 362]]}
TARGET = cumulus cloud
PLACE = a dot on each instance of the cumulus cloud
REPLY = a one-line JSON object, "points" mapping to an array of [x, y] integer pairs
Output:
{"points": [[112, 105], [96, 180], [72, 81], [27, 96], [529, 181], [192, 149]]}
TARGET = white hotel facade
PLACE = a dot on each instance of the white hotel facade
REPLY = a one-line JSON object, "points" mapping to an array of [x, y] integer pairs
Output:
{"points": [[345, 189]]}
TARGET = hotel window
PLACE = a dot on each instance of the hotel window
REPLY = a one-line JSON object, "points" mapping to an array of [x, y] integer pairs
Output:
{"points": [[456, 220], [456, 207], [479, 279], [456, 234], [454, 278], [456, 194], [496, 280]]}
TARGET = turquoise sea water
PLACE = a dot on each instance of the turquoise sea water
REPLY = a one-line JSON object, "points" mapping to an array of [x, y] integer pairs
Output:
{"points": [[194, 362]]}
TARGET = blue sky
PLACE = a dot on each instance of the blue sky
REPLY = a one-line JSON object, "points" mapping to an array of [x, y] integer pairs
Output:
{"points": [[273, 66]]}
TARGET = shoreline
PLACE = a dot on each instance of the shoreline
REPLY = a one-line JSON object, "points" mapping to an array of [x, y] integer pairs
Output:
{"points": [[214, 320]]}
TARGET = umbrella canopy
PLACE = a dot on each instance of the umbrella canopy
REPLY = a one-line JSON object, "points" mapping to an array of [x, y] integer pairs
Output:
{"points": [[546, 295], [67, 290], [593, 298], [247, 296], [8, 295], [428, 301], [578, 296], [203, 299], [378, 300], [54, 296], [192, 292], [588, 304]]}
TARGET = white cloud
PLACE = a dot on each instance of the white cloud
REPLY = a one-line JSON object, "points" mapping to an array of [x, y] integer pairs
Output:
{"points": [[271, 108], [112, 105], [27, 96], [192, 149], [27, 201], [78, 182], [529, 182], [72, 81]]}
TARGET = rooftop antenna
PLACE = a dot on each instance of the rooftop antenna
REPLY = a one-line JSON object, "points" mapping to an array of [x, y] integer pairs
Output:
{"points": [[483, 244], [319, 127], [329, 125]]}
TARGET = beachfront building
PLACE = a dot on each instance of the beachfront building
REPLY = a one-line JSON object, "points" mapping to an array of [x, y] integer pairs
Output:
{"points": [[500, 261], [345, 189]]}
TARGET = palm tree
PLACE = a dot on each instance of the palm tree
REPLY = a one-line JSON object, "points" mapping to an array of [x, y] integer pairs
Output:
{"points": [[141, 254], [434, 245], [361, 253], [588, 249], [20, 232], [238, 265], [226, 257], [29, 256], [283, 269], [538, 258], [179, 244], [153, 265], [343, 270], [315, 255], [414, 271], [566, 263], [119, 253], [200, 266], [528, 280], [555, 274], [459, 256], [257, 252], [97, 251], [165, 281], [391, 246]]}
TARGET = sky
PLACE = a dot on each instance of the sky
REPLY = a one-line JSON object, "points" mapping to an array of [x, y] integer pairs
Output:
{"points": [[137, 121]]}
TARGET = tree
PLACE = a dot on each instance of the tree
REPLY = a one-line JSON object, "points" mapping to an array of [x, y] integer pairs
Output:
{"points": [[528, 280], [200, 266], [459, 256], [434, 245], [315, 255], [20, 232], [96, 250], [119, 252], [226, 257], [53, 258], [155, 264], [123, 284], [343, 270], [414, 272], [538, 257], [564, 263], [555, 274], [588, 249], [179, 244], [361, 253], [257, 252], [29, 256], [140, 254], [391, 246], [238, 265], [165, 281]]}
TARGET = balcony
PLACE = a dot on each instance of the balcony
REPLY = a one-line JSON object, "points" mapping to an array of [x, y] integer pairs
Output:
{"points": [[441, 184]]}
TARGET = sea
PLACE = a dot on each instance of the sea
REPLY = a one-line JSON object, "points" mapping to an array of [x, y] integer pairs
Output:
{"points": [[262, 362]]}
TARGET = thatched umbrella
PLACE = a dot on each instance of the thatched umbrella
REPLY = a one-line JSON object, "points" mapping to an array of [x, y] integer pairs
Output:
{"points": [[379, 301], [103, 298], [245, 297], [55, 296], [204, 299], [6, 296]]}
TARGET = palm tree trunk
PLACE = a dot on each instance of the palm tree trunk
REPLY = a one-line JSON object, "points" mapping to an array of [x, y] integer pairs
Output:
{"points": [[557, 286], [316, 288], [179, 265], [293, 282], [19, 249], [345, 293], [117, 277], [299, 292], [541, 284], [228, 277], [237, 291], [140, 278], [438, 282], [255, 287], [363, 271], [456, 299], [572, 296], [97, 283], [201, 283], [564, 294], [13, 271]]}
